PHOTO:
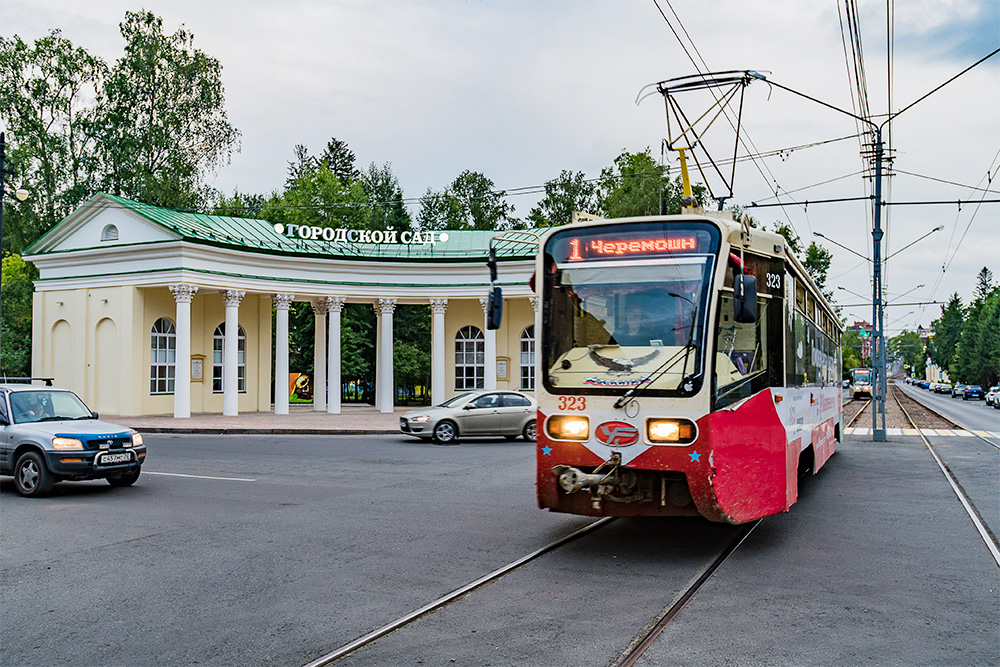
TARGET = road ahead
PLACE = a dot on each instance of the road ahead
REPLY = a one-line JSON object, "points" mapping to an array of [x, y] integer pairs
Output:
{"points": [[253, 550]]}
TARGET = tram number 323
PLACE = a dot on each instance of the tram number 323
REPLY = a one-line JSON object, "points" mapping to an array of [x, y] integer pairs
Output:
{"points": [[572, 402], [774, 281]]}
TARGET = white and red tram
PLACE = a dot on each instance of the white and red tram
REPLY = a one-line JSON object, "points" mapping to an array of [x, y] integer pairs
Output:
{"points": [[687, 365]]}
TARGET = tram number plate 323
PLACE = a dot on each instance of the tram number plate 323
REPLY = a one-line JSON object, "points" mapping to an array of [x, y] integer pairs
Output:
{"points": [[572, 402]]}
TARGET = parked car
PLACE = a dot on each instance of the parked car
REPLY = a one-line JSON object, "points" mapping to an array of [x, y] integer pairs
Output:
{"points": [[973, 392], [958, 390], [48, 435], [482, 412]]}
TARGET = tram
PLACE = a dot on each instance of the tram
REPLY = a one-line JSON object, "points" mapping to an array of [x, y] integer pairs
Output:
{"points": [[687, 366], [861, 382]]}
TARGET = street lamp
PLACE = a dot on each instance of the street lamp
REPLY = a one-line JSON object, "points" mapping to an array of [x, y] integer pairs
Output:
{"points": [[21, 194]]}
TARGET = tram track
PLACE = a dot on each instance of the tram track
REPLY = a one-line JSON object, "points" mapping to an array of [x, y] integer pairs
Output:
{"points": [[897, 392], [988, 538], [635, 649], [645, 639], [454, 595], [857, 415]]}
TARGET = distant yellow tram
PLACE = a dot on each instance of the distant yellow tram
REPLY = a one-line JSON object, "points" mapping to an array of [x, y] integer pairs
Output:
{"points": [[861, 382]]}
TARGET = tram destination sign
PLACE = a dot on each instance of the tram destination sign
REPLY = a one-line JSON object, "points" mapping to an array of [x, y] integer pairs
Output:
{"points": [[374, 236]]}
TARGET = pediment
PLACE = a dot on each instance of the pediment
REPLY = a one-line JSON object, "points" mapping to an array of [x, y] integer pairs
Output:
{"points": [[101, 222]]}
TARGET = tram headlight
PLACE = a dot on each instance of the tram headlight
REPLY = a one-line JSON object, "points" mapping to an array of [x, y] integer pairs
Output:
{"points": [[674, 431], [568, 427]]}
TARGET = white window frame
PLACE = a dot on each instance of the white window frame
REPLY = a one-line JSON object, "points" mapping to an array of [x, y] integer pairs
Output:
{"points": [[470, 353], [528, 358], [219, 356], [162, 356]]}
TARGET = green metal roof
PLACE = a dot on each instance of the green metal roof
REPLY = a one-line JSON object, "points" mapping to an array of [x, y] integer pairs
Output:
{"points": [[254, 235]]}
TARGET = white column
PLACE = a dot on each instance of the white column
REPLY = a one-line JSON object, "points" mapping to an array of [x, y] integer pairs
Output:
{"points": [[183, 295], [281, 304], [438, 388], [230, 359], [385, 378], [335, 304], [320, 310], [536, 306], [490, 379], [378, 355]]}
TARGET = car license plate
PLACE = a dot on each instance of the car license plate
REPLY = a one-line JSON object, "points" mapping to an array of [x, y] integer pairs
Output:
{"points": [[112, 459]]}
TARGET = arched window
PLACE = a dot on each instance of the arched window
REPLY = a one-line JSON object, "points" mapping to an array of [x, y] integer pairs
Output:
{"points": [[528, 358], [109, 233], [219, 354], [470, 358], [162, 351]]}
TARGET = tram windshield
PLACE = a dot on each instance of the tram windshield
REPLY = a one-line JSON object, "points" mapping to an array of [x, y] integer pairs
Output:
{"points": [[626, 305], [861, 376]]}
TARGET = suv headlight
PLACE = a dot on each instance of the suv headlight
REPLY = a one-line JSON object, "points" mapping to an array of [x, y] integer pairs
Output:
{"points": [[136, 439], [66, 443]]}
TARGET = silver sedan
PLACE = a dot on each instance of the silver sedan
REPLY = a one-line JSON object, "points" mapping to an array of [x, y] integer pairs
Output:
{"points": [[507, 413]]}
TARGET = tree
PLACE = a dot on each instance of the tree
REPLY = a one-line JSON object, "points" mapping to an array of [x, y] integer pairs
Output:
{"points": [[817, 263], [17, 287], [385, 197], [635, 185], [317, 197], [563, 195], [340, 159], [470, 202], [44, 93], [909, 346], [947, 331], [851, 352], [164, 122], [984, 284]]}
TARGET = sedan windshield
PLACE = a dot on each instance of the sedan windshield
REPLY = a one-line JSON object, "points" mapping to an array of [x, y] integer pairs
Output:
{"points": [[39, 406]]}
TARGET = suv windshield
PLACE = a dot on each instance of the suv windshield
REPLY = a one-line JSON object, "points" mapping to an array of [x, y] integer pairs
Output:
{"points": [[38, 406]]}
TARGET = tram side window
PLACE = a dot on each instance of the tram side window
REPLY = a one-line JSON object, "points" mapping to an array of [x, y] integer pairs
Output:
{"points": [[741, 352]]}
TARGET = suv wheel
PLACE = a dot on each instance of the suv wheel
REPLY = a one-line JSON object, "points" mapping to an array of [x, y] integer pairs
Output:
{"points": [[124, 479], [31, 478], [446, 433]]}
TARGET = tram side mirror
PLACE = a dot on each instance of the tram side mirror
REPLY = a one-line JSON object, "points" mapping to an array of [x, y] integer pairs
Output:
{"points": [[494, 309], [745, 299], [492, 264]]}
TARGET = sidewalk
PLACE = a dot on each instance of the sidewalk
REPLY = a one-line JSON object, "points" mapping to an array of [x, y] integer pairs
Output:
{"points": [[353, 420]]}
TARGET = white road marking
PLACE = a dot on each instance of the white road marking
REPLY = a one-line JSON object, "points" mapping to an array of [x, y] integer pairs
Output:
{"points": [[178, 474]]}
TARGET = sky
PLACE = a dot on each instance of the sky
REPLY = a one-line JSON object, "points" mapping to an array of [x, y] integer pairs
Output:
{"points": [[521, 90]]}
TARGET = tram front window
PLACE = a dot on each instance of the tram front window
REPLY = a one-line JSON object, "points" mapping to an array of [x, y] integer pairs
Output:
{"points": [[618, 321]]}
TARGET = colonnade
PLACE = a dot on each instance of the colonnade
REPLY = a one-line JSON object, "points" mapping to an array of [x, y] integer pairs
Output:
{"points": [[327, 312]]}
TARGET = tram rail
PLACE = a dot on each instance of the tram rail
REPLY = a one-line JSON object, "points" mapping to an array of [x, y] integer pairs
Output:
{"points": [[858, 414], [970, 509], [897, 391]]}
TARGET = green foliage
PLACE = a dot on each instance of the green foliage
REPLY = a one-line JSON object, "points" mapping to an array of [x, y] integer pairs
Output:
{"points": [[17, 288], [385, 198], [947, 331], [851, 352], [910, 346], [571, 191], [163, 120], [44, 90], [635, 185], [470, 202], [817, 263]]}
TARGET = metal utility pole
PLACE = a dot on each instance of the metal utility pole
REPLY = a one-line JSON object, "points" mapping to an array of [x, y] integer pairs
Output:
{"points": [[878, 331]]}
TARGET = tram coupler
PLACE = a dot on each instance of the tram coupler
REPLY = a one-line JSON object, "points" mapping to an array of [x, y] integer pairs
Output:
{"points": [[599, 484]]}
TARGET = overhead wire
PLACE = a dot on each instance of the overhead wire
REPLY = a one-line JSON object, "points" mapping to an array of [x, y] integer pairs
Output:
{"points": [[739, 137]]}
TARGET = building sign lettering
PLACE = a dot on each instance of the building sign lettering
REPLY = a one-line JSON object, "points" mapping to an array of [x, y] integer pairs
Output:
{"points": [[375, 236]]}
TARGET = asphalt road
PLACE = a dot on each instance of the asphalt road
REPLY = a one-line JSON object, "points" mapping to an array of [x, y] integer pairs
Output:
{"points": [[278, 549], [974, 415]]}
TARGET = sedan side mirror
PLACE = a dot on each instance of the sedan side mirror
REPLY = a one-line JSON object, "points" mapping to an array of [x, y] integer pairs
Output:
{"points": [[94, 415]]}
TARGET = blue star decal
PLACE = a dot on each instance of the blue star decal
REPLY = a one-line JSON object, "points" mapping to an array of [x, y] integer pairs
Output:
{"points": [[546, 450], [695, 457]]}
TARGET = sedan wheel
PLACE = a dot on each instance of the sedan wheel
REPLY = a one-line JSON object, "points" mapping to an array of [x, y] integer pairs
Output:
{"points": [[529, 431], [446, 433], [31, 477]]}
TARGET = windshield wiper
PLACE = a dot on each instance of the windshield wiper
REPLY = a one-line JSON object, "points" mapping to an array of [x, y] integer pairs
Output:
{"points": [[631, 394]]}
